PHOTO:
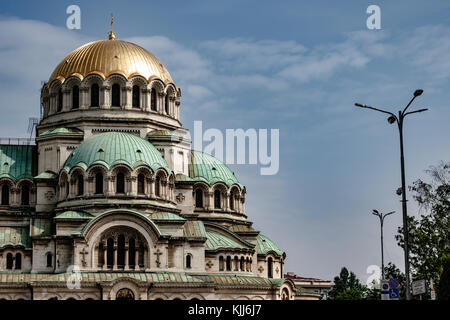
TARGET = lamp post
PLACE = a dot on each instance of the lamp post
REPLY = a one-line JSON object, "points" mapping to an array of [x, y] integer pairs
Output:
{"points": [[382, 216], [399, 119]]}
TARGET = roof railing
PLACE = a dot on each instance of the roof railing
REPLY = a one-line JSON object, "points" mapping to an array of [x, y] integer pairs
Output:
{"points": [[17, 141]]}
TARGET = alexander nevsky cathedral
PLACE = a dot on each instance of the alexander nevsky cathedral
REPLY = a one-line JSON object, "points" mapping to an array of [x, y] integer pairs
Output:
{"points": [[110, 202]]}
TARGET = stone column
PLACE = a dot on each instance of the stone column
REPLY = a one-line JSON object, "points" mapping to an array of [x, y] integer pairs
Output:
{"points": [[105, 100], [160, 103], [150, 188], [127, 267], [115, 257], [67, 103], [126, 92], [84, 98], [136, 257], [132, 185], [145, 94], [105, 256]]}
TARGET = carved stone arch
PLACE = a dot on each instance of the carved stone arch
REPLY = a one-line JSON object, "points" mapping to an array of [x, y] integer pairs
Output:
{"points": [[94, 230], [158, 85], [287, 290], [162, 173], [54, 86], [70, 82], [158, 296], [24, 181], [139, 81], [242, 298], [8, 181], [91, 79], [170, 90], [121, 167], [144, 169], [195, 297], [178, 296], [92, 170], [125, 284], [116, 78]]}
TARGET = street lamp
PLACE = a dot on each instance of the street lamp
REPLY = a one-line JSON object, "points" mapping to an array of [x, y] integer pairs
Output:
{"points": [[382, 216], [399, 119]]}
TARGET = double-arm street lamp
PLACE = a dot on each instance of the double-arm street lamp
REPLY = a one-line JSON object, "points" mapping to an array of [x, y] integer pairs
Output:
{"points": [[399, 119], [382, 216]]}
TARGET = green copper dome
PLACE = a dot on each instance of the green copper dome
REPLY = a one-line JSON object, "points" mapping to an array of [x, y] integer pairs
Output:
{"points": [[206, 168], [111, 148]]}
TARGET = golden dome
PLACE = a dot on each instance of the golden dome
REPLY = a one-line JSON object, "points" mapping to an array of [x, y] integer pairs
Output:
{"points": [[106, 57]]}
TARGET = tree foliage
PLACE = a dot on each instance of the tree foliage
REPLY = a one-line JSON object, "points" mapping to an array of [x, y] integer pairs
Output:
{"points": [[429, 236], [347, 287]]}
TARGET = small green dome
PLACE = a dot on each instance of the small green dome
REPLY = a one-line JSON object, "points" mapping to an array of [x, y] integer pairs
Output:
{"points": [[206, 168], [111, 148]]}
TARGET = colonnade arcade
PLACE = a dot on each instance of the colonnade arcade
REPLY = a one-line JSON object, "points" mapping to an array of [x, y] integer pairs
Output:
{"points": [[121, 248]]}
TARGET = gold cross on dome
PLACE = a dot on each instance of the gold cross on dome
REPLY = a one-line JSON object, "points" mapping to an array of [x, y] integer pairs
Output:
{"points": [[112, 35]]}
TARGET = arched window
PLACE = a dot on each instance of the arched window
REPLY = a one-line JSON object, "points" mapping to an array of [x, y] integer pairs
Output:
{"points": [[110, 252], [157, 186], [120, 183], [5, 195], [269, 268], [153, 99], [166, 103], [80, 185], [95, 94], [115, 95], [199, 198], [136, 97], [232, 200], [228, 263], [18, 261], [221, 263], [132, 252], [141, 183], [60, 101], [25, 195], [49, 260], [217, 199], [242, 264], [75, 97], [188, 261], [236, 263], [98, 183], [121, 251], [9, 261]]}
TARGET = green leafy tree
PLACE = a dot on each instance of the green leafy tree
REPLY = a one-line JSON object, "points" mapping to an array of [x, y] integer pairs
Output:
{"points": [[429, 236], [347, 287]]}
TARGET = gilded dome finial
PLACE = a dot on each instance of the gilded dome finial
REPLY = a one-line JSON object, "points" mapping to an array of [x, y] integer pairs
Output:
{"points": [[112, 35]]}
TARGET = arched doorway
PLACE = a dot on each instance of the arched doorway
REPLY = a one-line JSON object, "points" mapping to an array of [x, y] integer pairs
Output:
{"points": [[125, 294]]}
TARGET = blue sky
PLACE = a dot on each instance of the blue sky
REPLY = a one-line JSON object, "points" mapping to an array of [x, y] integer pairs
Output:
{"points": [[298, 66]]}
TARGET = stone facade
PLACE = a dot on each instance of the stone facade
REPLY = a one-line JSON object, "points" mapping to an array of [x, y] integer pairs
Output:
{"points": [[113, 203]]}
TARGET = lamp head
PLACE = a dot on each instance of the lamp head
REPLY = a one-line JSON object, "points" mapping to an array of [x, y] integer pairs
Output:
{"points": [[418, 92], [391, 119]]}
